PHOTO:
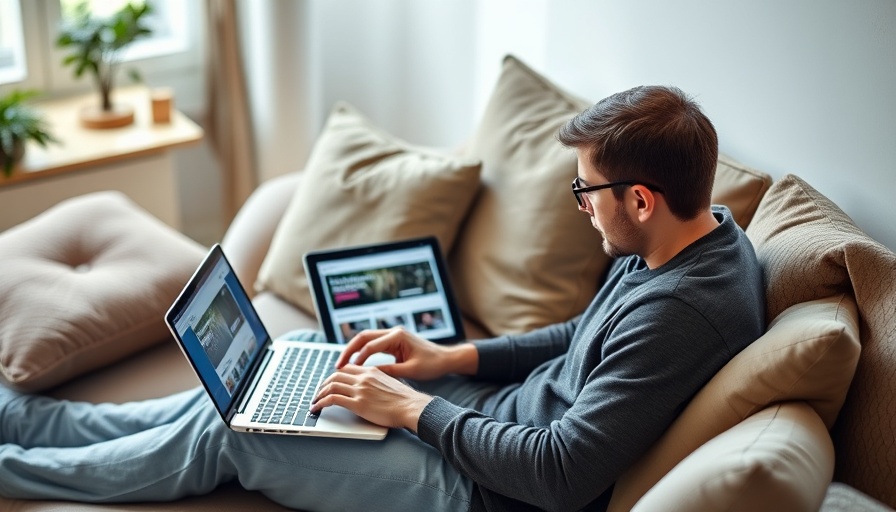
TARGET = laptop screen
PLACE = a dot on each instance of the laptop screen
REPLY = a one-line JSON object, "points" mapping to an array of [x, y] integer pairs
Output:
{"points": [[218, 328], [383, 286]]}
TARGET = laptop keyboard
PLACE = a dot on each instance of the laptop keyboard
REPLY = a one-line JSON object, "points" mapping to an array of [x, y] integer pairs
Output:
{"points": [[287, 400]]}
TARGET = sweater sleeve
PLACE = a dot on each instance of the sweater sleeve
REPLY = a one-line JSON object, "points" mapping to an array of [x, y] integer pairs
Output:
{"points": [[643, 377], [512, 358]]}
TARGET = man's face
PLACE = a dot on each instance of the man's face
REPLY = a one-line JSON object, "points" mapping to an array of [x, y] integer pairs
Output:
{"points": [[621, 235]]}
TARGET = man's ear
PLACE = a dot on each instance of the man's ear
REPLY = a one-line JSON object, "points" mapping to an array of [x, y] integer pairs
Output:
{"points": [[644, 201]]}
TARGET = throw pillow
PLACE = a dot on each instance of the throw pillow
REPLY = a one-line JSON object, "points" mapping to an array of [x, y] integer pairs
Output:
{"points": [[780, 458], [362, 185], [809, 248], [85, 284], [526, 257], [809, 353], [740, 188]]}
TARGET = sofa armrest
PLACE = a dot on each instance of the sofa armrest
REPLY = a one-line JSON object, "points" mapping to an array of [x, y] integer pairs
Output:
{"points": [[248, 238]]}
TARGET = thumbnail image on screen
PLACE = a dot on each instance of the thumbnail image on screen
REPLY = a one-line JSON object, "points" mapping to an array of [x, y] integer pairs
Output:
{"points": [[218, 325], [429, 320]]}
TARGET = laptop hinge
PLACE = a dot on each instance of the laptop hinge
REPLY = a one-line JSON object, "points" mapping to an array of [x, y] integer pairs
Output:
{"points": [[249, 391]]}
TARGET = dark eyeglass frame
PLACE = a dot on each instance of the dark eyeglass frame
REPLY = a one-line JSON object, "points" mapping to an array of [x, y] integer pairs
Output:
{"points": [[577, 191]]}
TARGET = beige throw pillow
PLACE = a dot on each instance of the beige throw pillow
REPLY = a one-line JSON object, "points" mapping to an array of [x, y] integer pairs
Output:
{"points": [[362, 185], [810, 248], [526, 257], [85, 284], [780, 458], [809, 353], [740, 188]]}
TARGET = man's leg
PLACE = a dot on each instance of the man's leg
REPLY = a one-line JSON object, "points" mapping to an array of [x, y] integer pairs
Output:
{"points": [[398, 473], [164, 462], [196, 453], [32, 421]]}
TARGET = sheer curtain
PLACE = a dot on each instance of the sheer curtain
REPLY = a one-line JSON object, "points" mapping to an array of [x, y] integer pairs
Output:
{"points": [[228, 123]]}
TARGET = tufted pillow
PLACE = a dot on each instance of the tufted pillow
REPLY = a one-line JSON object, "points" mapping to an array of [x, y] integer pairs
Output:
{"points": [[808, 249], [84, 284], [362, 185], [780, 458], [809, 353], [525, 257]]}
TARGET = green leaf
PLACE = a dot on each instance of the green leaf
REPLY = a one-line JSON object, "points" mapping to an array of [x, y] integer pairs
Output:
{"points": [[96, 41]]}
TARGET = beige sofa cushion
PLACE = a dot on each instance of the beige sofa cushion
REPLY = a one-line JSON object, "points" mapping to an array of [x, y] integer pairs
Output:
{"points": [[84, 284], [809, 353], [780, 458], [740, 188], [525, 257], [362, 185], [809, 248]]}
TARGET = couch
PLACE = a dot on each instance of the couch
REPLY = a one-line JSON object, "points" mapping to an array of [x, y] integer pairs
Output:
{"points": [[803, 419]]}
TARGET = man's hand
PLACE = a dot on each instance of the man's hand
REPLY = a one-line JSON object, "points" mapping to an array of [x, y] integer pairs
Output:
{"points": [[372, 395], [375, 393], [415, 357]]}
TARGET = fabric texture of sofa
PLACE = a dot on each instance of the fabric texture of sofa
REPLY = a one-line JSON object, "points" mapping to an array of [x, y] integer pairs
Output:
{"points": [[810, 402]]}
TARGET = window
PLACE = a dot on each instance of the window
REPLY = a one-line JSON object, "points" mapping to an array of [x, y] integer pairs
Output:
{"points": [[167, 21], [170, 56], [12, 44]]}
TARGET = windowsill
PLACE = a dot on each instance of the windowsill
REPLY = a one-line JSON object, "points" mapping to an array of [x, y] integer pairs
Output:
{"points": [[82, 148]]}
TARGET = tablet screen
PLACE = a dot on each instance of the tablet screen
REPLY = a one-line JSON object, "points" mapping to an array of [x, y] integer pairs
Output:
{"points": [[382, 286]]}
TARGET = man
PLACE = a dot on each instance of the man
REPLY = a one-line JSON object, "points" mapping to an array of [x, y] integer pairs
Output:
{"points": [[550, 419]]}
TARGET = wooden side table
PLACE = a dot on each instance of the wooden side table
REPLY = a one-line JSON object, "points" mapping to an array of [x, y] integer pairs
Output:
{"points": [[134, 159]]}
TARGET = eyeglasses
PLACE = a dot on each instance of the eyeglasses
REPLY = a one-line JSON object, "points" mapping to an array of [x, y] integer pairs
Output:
{"points": [[578, 190]]}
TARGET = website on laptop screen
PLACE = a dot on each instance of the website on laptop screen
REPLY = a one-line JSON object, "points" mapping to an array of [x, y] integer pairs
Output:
{"points": [[220, 332], [379, 291]]}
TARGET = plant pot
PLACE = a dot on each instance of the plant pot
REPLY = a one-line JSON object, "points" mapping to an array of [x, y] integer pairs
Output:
{"points": [[8, 162], [95, 117]]}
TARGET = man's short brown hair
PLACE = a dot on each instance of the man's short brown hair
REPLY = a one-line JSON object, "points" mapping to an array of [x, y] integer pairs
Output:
{"points": [[652, 134]]}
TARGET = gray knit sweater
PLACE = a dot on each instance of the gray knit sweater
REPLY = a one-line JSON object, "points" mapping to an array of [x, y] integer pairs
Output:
{"points": [[586, 398]]}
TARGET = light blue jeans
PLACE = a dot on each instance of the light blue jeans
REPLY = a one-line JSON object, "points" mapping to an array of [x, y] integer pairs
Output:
{"points": [[167, 448]]}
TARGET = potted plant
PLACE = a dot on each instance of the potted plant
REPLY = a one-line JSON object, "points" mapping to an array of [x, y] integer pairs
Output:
{"points": [[19, 123], [96, 44]]}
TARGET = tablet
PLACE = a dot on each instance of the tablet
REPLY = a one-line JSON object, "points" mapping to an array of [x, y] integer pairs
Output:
{"points": [[384, 285]]}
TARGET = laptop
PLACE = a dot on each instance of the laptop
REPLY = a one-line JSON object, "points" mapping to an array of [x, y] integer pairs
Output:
{"points": [[379, 286], [256, 384]]}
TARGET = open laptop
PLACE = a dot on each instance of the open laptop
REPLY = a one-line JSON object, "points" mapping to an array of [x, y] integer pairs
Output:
{"points": [[384, 285], [256, 384]]}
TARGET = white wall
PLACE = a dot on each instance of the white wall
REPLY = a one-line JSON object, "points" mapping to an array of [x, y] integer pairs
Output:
{"points": [[799, 86], [405, 64], [275, 59]]}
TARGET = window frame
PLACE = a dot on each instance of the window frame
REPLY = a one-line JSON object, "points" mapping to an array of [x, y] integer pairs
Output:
{"points": [[45, 72], [20, 64]]}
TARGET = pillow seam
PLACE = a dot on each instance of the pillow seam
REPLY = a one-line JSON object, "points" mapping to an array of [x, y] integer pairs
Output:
{"points": [[57, 362]]}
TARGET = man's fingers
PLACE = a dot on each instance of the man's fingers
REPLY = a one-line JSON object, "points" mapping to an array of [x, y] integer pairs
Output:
{"points": [[340, 388], [334, 388], [357, 343], [374, 342], [342, 375], [329, 400]]}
